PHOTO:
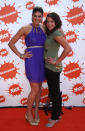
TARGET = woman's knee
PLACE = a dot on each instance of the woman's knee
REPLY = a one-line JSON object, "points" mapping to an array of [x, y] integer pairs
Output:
{"points": [[35, 88]]}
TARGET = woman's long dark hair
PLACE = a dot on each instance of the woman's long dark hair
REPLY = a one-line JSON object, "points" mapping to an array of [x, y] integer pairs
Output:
{"points": [[57, 20]]}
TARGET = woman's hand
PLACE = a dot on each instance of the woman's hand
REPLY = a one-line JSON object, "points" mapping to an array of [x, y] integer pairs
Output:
{"points": [[51, 60], [26, 55]]}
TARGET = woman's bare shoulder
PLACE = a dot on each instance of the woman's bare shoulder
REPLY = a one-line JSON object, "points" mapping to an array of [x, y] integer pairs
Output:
{"points": [[26, 29]]}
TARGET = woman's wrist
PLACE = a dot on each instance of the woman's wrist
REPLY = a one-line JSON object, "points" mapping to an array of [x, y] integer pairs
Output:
{"points": [[21, 56], [54, 62]]}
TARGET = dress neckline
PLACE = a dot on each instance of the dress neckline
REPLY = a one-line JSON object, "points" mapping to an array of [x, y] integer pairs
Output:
{"points": [[35, 26]]}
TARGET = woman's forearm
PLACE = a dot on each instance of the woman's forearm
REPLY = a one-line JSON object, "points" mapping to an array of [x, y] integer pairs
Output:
{"points": [[12, 42], [63, 55], [14, 49]]}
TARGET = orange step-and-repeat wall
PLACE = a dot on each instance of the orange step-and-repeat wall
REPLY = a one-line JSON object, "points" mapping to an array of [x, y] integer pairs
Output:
{"points": [[14, 86]]}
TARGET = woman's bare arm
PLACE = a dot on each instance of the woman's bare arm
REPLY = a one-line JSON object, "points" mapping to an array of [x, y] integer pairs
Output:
{"points": [[14, 40], [21, 32]]}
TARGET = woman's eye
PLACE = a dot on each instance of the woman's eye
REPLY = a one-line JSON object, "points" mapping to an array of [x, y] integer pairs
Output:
{"points": [[37, 16]]}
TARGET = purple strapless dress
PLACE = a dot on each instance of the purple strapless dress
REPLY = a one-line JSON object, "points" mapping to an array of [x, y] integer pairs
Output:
{"points": [[34, 66]]}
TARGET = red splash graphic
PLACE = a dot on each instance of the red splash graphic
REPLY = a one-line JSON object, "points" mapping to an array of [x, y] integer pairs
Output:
{"points": [[65, 97], [23, 101], [4, 36], [52, 2], [30, 5], [75, 0], [3, 52], [76, 16], [44, 15], [8, 14], [70, 54], [15, 90], [2, 99], [71, 36], [78, 89], [72, 70], [44, 95], [45, 81], [8, 70], [84, 100]]}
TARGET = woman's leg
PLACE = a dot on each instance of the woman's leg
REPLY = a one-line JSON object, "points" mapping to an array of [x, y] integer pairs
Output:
{"points": [[53, 80], [37, 101], [31, 99]]}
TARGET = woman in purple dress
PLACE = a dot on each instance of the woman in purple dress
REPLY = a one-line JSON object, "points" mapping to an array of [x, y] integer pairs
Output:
{"points": [[34, 63]]}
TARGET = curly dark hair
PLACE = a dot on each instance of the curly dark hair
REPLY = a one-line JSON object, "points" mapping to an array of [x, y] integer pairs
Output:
{"points": [[37, 9], [57, 20]]}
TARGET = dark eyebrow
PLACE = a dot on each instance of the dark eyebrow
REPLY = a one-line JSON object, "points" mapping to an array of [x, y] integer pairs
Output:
{"points": [[38, 15]]}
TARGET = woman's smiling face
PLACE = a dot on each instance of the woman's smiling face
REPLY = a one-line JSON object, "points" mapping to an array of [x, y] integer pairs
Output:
{"points": [[37, 18], [50, 23]]}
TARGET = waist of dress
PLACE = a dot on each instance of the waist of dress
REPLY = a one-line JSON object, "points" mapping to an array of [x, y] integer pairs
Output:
{"points": [[35, 47]]}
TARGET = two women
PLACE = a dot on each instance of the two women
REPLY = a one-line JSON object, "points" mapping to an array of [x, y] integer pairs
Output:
{"points": [[34, 61]]}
